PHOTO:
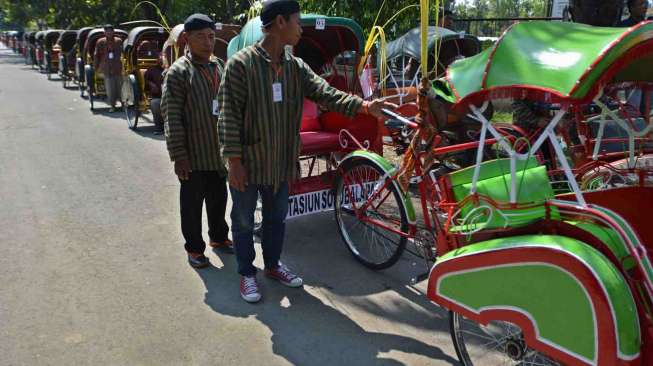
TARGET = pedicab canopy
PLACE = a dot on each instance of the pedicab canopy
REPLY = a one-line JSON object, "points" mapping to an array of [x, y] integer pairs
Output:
{"points": [[552, 62], [50, 38], [323, 38], [144, 42], [67, 40], [452, 45], [82, 34]]}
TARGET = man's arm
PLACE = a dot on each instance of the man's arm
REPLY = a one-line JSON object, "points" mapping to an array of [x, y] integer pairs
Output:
{"points": [[172, 107], [319, 91], [98, 54], [232, 97]]}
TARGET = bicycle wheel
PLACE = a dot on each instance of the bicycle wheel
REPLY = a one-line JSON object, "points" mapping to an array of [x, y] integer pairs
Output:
{"points": [[498, 343], [370, 235]]}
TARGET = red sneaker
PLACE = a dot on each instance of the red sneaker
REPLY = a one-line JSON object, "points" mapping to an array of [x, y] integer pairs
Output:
{"points": [[249, 289], [283, 275]]}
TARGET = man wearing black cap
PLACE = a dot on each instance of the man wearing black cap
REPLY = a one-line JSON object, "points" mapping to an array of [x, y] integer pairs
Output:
{"points": [[190, 109], [261, 100], [107, 59]]}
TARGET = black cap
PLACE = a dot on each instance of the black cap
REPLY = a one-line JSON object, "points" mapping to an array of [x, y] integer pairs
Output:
{"points": [[272, 8], [198, 22]]}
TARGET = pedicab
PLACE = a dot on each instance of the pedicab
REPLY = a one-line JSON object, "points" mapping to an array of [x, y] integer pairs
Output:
{"points": [[615, 145], [403, 54], [175, 45], [50, 54], [66, 50], [141, 51], [80, 61], [94, 81], [529, 277], [224, 33], [38, 50], [31, 47], [325, 136]]}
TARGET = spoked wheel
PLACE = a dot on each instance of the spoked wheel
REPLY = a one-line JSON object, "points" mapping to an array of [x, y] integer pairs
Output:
{"points": [[90, 97], [258, 217], [131, 101], [370, 214], [132, 112], [498, 343]]}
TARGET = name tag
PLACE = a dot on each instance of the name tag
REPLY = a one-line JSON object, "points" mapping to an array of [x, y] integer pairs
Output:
{"points": [[216, 107], [110, 55], [277, 93]]}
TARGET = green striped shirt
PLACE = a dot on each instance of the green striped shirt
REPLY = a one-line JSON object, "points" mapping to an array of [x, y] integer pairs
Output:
{"points": [[260, 131], [191, 129]]}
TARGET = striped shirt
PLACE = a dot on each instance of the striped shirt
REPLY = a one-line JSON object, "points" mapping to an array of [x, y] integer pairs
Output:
{"points": [[260, 131], [191, 132]]}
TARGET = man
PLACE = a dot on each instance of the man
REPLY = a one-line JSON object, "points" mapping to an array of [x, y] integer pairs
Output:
{"points": [[153, 81], [107, 59], [261, 101], [637, 10], [189, 105], [445, 18]]}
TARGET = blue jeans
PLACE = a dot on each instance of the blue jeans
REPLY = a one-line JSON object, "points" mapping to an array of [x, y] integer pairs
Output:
{"points": [[275, 209]]}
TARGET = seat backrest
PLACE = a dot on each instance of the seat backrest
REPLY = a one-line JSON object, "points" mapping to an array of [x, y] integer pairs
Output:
{"points": [[310, 117], [533, 186]]}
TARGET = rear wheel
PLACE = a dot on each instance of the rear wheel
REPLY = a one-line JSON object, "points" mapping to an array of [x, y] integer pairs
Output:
{"points": [[371, 235], [131, 99], [90, 98], [497, 343]]}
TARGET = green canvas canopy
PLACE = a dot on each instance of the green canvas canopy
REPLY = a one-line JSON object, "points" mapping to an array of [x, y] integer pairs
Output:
{"points": [[317, 46], [551, 62]]}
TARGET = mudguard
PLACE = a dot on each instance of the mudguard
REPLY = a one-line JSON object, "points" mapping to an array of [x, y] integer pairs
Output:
{"points": [[568, 299], [389, 170]]}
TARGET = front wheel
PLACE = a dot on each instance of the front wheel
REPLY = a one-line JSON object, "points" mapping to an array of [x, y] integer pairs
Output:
{"points": [[370, 213], [497, 343]]}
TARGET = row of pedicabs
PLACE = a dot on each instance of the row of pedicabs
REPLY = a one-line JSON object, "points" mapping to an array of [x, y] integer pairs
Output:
{"points": [[538, 242]]}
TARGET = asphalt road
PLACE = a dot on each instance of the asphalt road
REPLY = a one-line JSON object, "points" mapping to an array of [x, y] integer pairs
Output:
{"points": [[93, 271]]}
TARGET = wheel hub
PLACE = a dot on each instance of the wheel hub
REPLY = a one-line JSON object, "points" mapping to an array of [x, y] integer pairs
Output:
{"points": [[514, 350]]}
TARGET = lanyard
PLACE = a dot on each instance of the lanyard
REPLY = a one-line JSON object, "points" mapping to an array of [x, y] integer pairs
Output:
{"points": [[207, 76], [278, 69]]}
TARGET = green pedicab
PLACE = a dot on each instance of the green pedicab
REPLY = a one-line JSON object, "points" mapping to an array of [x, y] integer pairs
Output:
{"points": [[530, 278]]}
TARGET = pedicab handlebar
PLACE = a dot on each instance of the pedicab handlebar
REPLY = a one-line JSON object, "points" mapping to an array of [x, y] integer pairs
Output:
{"points": [[395, 118]]}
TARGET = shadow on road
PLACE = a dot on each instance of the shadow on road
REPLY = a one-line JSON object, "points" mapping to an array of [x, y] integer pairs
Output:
{"points": [[305, 330]]}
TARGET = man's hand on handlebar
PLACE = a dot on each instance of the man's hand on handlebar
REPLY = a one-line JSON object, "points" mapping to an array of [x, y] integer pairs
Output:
{"points": [[376, 106]]}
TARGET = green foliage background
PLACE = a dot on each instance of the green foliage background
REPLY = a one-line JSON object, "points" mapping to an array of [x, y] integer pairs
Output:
{"points": [[73, 14]]}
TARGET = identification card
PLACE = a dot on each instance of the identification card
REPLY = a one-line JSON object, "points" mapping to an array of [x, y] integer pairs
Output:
{"points": [[110, 55], [320, 23], [277, 93], [216, 107]]}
